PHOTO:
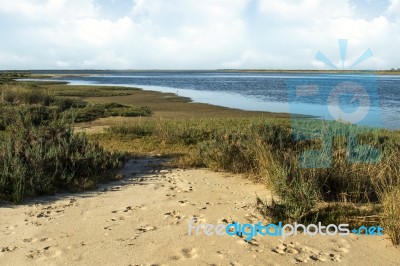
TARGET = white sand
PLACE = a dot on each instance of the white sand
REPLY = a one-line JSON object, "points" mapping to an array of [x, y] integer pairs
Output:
{"points": [[143, 220]]}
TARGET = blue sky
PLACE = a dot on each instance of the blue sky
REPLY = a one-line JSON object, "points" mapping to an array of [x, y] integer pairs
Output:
{"points": [[192, 34]]}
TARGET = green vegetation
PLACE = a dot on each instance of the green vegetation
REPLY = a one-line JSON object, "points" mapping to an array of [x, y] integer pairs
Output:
{"points": [[83, 111], [95, 111], [36, 135], [39, 151], [40, 154], [357, 193], [391, 214], [6, 77], [101, 91]]}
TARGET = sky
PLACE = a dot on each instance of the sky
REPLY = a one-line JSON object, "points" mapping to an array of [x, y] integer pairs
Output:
{"points": [[193, 34]]}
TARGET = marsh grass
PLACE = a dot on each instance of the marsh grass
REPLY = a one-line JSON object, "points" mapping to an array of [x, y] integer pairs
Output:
{"points": [[352, 189], [39, 151], [7, 77], [391, 214], [92, 112], [40, 154], [273, 151], [387, 186], [82, 111], [91, 91]]}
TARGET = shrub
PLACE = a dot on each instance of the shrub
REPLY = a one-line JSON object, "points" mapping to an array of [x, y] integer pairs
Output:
{"points": [[391, 214], [272, 152], [40, 154], [96, 111]]}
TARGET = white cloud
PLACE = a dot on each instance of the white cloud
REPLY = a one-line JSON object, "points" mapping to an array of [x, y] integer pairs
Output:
{"points": [[394, 7], [192, 34], [50, 10]]}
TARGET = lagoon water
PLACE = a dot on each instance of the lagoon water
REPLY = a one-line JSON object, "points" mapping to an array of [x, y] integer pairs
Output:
{"points": [[372, 100]]}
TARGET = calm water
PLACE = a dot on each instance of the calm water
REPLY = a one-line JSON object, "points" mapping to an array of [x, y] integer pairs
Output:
{"points": [[367, 100]]}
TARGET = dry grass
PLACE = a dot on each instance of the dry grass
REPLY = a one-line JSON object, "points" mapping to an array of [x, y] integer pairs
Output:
{"points": [[164, 105], [39, 152], [391, 214], [262, 144], [266, 150]]}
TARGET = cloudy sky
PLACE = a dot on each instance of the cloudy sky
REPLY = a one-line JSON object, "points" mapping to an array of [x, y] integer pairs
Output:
{"points": [[194, 34]]}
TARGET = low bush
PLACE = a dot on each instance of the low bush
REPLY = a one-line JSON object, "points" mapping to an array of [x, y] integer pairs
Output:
{"points": [[93, 112], [361, 164], [40, 154]]}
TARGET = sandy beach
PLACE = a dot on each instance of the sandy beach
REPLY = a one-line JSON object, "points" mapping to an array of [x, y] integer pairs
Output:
{"points": [[143, 220], [149, 133]]}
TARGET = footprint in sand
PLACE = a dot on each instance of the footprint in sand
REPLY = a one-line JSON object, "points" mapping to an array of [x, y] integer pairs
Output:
{"points": [[5, 250], [252, 218], [225, 221], [34, 240], [10, 230], [189, 253], [115, 219], [183, 202], [185, 253], [146, 228], [49, 212], [246, 207], [199, 219], [129, 239], [171, 181], [179, 189], [131, 209], [175, 188], [341, 246], [109, 228], [170, 196], [174, 216], [304, 253], [126, 212], [47, 252], [190, 189], [141, 230], [252, 244]]}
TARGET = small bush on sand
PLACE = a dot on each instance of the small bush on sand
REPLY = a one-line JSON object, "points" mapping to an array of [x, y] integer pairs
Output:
{"points": [[391, 214], [39, 152], [272, 152]]}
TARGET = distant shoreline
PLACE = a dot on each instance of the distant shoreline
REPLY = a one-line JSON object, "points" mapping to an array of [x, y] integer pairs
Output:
{"points": [[195, 108], [166, 105], [378, 72], [89, 72]]}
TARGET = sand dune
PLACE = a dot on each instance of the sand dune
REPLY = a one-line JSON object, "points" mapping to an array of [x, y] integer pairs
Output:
{"points": [[143, 220]]}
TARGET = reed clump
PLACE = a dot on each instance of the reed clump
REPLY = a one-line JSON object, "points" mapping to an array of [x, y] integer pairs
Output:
{"points": [[39, 151], [316, 169]]}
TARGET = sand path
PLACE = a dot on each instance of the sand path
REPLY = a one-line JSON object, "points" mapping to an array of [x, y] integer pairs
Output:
{"points": [[143, 220]]}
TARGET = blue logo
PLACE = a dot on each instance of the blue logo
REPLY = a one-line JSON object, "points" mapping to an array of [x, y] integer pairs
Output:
{"points": [[349, 98], [249, 231]]}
